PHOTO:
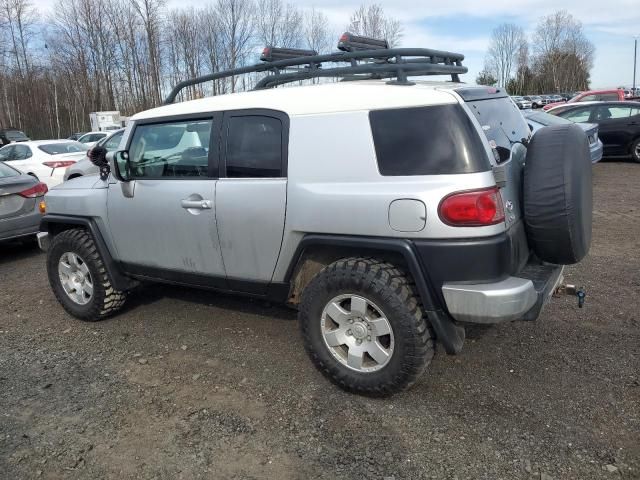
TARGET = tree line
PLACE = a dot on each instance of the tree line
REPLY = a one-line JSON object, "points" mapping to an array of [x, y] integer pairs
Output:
{"points": [[558, 57], [96, 55]]}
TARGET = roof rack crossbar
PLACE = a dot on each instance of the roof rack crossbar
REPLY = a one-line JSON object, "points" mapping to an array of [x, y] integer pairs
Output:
{"points": [[382, 63]]}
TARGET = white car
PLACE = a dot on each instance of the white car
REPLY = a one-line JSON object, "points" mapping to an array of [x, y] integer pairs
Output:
{"points": [[45, 159], [91, 138]]}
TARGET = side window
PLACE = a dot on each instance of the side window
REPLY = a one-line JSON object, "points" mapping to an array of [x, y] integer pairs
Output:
{"points": [[608, 97], [254, 147], [6, 153], [588, 98], [613, 112], [113, 143], [170, 150], [21, 152], [441, 139], [579, 115]]}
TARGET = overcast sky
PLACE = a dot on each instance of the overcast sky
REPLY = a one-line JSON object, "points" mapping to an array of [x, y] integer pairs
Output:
{"points": [[465, 26]]}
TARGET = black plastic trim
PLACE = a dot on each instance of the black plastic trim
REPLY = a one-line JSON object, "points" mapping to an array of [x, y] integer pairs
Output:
{"points": [[118, 279], [447, 331], [273, 291]]}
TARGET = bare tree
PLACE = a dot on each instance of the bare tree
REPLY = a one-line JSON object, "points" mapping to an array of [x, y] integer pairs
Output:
{"points": [[236, 29], [563, 55], [371, 21], [507, 42], [316, 32], [278, 24]]}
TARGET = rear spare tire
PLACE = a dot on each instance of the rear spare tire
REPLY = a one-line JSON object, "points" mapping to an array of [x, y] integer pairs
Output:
{"points": [[558, 194]]}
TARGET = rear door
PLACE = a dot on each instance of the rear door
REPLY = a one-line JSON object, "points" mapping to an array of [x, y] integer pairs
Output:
{"points": [[251, 196], [615, 131]]}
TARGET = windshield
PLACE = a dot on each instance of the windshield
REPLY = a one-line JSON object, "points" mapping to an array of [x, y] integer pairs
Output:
{"points": [[7, 171], [62, 148], [15, 135]]}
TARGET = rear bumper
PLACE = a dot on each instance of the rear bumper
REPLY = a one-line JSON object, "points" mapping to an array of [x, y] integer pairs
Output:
{"points": [[514, 298], [488, 280], [21, 226], [596, 151]]}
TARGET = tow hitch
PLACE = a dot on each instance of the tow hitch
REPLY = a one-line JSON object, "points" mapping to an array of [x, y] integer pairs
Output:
{"points": [[573, 291]]}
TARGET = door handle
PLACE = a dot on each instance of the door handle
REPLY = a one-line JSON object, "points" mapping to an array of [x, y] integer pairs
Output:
{"points": [[198, 204]]}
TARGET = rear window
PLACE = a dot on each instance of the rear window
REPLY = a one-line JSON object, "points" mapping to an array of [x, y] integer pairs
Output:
{"points": [[501, 121], [7, 171], [435, 140], [60, 148], [15, 135]]}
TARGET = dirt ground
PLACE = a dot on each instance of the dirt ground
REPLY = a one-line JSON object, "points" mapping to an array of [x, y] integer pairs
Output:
{"points": [[190, 384]]}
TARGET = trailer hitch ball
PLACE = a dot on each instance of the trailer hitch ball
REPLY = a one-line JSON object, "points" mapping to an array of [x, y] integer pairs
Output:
{"points": [[573, 291]]}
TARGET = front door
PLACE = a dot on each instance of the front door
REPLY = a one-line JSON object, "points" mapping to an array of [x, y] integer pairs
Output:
{"points": [[163, 221], [251, 196]]}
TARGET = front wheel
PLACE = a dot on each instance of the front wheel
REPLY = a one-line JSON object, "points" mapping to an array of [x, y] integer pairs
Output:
{"points": [[364, 328], [79, 279]]}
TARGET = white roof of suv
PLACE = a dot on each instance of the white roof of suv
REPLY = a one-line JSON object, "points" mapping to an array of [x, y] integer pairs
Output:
{"points": [[314, 99]]}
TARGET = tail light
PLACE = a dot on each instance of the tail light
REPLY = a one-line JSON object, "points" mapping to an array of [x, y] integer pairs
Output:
{"points": [[476, 208], [38, 190], [59, 163]]}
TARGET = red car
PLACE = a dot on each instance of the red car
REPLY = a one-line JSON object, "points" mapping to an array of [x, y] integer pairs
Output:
{"points": [[593, 95]]}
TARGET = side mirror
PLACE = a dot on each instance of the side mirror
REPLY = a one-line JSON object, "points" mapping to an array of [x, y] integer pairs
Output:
{"points": [[119, 162]]}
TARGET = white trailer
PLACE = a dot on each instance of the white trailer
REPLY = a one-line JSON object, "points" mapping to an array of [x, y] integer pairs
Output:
{"points": [[105, 121]]}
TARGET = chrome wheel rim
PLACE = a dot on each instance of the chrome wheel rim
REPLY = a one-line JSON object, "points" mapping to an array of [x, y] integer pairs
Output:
{"points": [[357, 333], [637, 152], [75, 278]]}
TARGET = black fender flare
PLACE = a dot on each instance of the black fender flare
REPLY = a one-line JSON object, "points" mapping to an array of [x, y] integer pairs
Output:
{"points": [[448, 332], [118, 279]]}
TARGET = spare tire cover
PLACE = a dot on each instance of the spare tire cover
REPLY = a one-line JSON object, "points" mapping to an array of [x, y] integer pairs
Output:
{"points": [[558, 194]]}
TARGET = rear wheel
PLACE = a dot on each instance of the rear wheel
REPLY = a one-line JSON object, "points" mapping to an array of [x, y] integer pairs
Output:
{"points": [[79, 279], [635, 151], [364, 328]]}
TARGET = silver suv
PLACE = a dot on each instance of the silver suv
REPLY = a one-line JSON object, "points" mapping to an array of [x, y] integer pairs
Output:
{"points": [[389, 212]]}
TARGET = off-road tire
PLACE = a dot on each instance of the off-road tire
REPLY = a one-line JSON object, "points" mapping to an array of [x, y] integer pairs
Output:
{"points": [[394, 292], [106, 300]]}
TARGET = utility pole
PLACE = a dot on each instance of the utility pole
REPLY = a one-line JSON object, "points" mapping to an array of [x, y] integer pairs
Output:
{"points": [[635, 57]]}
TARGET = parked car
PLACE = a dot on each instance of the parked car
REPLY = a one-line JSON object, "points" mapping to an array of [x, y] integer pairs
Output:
{"points": [[591, 96], [45, 159], [383, 241], [538, 120], [20, 203], [618, 124], [85, 166], [12, 135], [521, 103], [91, 138], [75, 136], [536, 100]]}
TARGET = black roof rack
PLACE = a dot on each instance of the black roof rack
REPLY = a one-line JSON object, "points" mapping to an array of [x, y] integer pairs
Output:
{"points": [[361, 59]]}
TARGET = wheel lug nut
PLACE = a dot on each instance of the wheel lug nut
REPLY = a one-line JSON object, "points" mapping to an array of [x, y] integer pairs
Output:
{"points": [[369, 338], [349, 332], [358, 341]]}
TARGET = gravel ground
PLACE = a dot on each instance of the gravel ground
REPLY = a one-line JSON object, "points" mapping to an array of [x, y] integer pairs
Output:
{"points": [[190, 384]]}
